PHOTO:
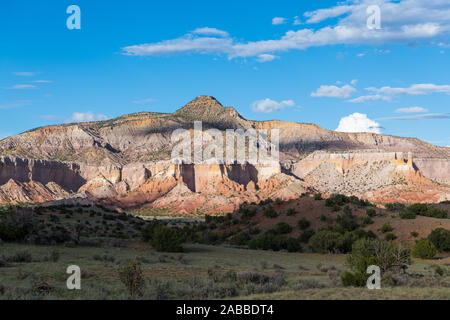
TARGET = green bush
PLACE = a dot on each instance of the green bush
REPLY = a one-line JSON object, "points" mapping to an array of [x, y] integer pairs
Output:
{"points": [[424, 249], [167, 239], [408, 215], [357, 279], [371, 212], [241, 239], [291, 212], [270, 212], [386, 228], [283, 228], [318, 197], [426, 210], [414, 234], [303, 224], [325, 241], [306, 235], [390, 236], [440, 237], [385, 254]]}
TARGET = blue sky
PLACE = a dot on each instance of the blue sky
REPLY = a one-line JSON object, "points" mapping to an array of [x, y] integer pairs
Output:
{"points": [[315, 62]]}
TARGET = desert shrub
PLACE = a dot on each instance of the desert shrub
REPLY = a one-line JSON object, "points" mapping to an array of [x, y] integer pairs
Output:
{"points": [[385, 254], [390, 236], [408, 215], [366, 220], [293, 245], [15, 226], [54, 255], [318, 197], [439, 271], [346, 222], [323, 218], [386, 228], [269, 241], [426, 210], [325, 241], [371, 212], [424, 249], [306, 235], [132, 277], [440, 237], [21, 256], [356, 279], [395, 206], [167, 239], [303, 284], [270, 212], [303, 224], [414, 234], [241, 239], [291, 212], [160, 289], [283, 228]]}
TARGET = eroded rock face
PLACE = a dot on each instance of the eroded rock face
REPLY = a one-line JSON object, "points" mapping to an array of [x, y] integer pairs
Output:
{"points": [[127, 161]]}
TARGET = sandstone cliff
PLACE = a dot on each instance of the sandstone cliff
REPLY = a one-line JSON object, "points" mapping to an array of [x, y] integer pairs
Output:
{"points": [[127, 160]]}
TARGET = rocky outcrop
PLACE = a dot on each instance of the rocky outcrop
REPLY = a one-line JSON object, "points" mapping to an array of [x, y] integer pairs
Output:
{"points": [[127, 161]]}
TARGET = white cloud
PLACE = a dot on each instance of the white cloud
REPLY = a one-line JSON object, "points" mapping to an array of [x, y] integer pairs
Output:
{"points": [[403, 22], [415, 89], [411, 110], [22, 86], [323, 14], [42, 81], [278, 20], [354, 81], [268, 105], [333, 91], [428, 116], [25, 74], [375, 97], [85, 117], [358, 122], [266, 57], [206, 31]]}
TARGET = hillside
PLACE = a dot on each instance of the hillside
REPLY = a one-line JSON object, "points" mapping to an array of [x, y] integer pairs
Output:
{"points": [[126, 162]]}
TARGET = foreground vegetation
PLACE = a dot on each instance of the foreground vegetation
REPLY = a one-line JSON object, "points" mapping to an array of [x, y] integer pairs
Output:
{"points": [[311, 248]]}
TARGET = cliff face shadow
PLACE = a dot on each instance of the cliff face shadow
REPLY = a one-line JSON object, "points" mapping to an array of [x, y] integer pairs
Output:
{"points": [[241, 174], [187, 171]]}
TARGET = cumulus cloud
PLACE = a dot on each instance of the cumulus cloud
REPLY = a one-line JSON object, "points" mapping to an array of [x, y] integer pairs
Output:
{"points": [[266, 57], [278, 20], [85, 117], [375, 97], [333, 91], [411, 110], [358, 122], [268, 105], [404, 22], [210, 32]]}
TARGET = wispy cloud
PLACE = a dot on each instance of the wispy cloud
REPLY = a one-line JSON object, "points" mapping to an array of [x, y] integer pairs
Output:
{"points": [[17, 104], [268, 105], [25, 74], [333, 91], [206, 31], [415, 89], [428, 116], [85, 117], [403, 22], [278, 20], [411, 110], [375, 97], [42, 81], [22, 86], [266, 57]]}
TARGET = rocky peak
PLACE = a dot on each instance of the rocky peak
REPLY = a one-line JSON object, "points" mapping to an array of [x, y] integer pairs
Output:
{"points": [[209, 110]]}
